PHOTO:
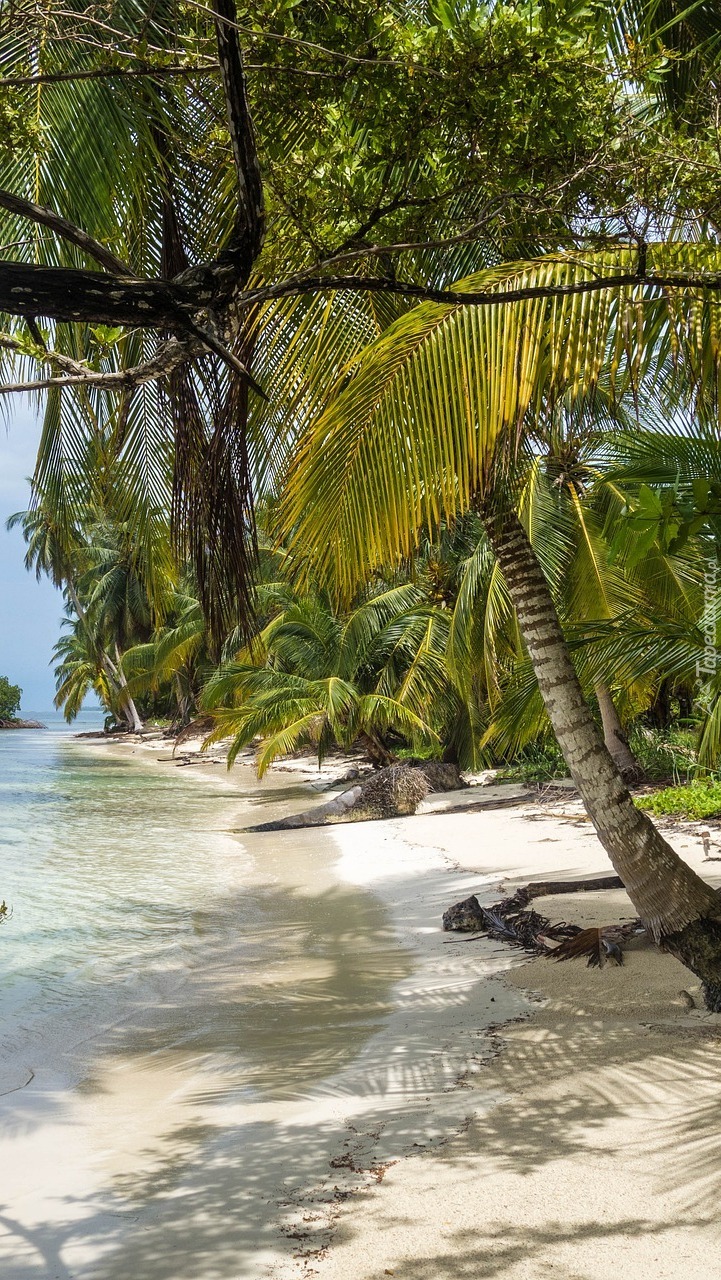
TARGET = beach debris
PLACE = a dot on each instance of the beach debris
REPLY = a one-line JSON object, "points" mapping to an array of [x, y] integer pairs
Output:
{"points": [[598, 944], [393, 792], [513, 921], [465, 917], [706, 842]]}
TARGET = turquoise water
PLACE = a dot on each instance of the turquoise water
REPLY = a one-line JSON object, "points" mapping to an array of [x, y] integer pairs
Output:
{"points": [[184, 1013], [140, 919]]}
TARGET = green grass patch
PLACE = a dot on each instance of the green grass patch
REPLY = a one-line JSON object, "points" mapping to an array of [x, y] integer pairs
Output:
{"points": [[698, 800]]}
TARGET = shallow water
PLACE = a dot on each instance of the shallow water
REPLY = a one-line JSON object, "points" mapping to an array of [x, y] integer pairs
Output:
{"points": [[156, 972]]}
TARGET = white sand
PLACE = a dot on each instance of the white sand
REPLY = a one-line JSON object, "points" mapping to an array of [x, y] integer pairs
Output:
{"points": [[594, 1147], [577, 1141]]}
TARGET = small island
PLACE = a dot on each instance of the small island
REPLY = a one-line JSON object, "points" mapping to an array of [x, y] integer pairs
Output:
{"points": [[10, 696]]}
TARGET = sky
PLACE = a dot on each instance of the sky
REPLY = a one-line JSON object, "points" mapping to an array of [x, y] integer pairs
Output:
{"points": [[30, 611]]}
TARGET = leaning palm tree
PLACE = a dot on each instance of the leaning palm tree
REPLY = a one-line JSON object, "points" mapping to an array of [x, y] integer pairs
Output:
{"points": [[558, 313], [430, 421], [603, 580]]}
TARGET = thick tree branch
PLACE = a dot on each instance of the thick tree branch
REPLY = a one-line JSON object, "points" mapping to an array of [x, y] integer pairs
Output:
{"points": [[246, 239], [66, 294], [66, 230]]}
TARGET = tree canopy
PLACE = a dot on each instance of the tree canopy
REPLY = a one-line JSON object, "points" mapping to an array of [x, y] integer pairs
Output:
{"points": [[10, 695]]}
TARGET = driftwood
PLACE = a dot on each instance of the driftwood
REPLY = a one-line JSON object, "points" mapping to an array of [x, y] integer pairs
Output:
{"points": [[393, 792], [513, 922]]}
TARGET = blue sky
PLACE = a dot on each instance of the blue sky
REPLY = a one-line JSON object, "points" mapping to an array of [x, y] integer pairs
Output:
{"points": [[30, 611]]}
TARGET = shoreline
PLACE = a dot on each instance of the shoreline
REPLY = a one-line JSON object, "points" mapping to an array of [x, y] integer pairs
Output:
{"points": [[105, 1154], [484, 1070], [405, 1091], [507, 1128]]}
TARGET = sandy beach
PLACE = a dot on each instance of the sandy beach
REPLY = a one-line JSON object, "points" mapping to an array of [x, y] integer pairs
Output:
{"points": [[486, 1116], [593, 1131]]}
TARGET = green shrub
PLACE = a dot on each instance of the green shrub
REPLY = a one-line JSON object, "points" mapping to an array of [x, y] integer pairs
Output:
{"points": [[538, 762], [700, 799], [10, 695], [665, 754]]}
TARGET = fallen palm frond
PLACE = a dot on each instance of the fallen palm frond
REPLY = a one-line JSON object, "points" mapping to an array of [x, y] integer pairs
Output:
{"points": [[594, 943]]}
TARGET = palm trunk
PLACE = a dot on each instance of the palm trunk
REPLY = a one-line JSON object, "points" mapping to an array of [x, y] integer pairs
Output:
{"points": [[614, 737], [680, 909], [129, 709], [116, 675]]}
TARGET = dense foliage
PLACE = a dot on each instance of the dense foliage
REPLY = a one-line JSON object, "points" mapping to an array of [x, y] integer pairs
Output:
{"points": [[10, 695], [477, 147]]}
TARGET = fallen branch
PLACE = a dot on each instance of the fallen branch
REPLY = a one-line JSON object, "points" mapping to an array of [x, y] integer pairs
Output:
{"points": [[511, 921]]}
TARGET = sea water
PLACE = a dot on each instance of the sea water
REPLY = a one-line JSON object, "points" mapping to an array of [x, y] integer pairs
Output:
{"points": [[131, 893], [169, 987]]}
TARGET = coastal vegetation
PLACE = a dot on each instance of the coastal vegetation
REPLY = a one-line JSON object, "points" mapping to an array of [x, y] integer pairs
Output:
{"points": [[379, 354], [10, 695]]}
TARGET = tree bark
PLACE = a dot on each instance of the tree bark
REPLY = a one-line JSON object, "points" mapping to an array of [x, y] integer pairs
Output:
{"points": [[63, 293], [682, 912], [614, 738], [127, 704]]}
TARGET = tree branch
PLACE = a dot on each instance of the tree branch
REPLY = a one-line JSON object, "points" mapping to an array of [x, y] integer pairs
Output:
{"points": [[246, 239], [67, 294], [484, 298], [154, 73], [67, 230], [168, 357]]}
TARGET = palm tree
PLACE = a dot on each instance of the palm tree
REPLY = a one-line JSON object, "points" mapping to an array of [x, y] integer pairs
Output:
{"points": [[176, 661], [432, 421], [81, 668], [313, 676], [59, 549], [574, 513], [441, 401]]}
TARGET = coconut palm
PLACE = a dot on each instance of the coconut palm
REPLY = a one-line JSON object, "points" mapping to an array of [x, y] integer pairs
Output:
{"points": [[430, 422], [176, 661], [575, 516], [313, 676], [82, 668]]}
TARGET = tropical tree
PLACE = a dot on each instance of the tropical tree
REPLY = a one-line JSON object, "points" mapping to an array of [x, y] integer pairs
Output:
{"points": [[82, 668], [605, 582], [175, 663], [315, 677], [60, 551], [10, 695], [573, 156], [399, 445]]}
